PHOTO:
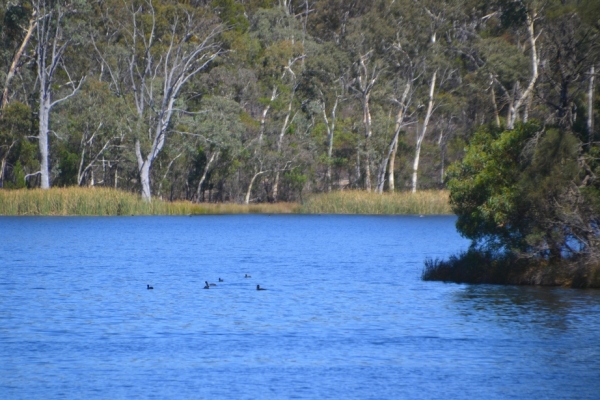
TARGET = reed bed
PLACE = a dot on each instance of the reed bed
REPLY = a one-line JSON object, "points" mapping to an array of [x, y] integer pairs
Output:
{"points": [[427, 202], [105, 202]]}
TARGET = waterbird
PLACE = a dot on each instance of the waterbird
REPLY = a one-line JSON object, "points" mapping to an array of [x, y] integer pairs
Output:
{"points": [[221, 280], [247, 276], [259, 288], [149, 287], [207, 285]]}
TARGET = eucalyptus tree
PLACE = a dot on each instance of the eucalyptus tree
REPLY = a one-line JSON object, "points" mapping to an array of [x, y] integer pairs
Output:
{"points": [[161, 46], [283, 54], [218, 131], [324, 88], [55, 31], [19, 23]]}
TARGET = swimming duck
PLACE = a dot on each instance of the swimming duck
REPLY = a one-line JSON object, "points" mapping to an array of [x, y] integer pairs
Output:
{"points": [[259, 288], [149, 287], [221, 280], [247, 276], [207, 285]]}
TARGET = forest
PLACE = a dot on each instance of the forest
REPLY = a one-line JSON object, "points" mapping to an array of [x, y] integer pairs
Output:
{"points": [[251, 101]]}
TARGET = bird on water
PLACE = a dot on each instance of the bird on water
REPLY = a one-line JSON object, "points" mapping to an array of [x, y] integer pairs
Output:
{"points": [[207, 285], [259, 288], [221, 280], [247, 276], [149, 287]]}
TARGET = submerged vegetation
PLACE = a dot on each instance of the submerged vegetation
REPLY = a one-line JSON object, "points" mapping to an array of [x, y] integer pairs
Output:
{"points": [[428, 202]]}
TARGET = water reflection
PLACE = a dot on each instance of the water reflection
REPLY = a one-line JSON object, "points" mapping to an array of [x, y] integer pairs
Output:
{"points": [[517, 307]]}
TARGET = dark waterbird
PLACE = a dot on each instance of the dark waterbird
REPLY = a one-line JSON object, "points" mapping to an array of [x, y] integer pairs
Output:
{"points": [[149, 287], [247, 276], [221, 280], [259, 288], [207, 285]]}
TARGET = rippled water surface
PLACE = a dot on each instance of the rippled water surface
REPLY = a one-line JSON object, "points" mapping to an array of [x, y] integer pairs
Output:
{"points": [[345, 316]]}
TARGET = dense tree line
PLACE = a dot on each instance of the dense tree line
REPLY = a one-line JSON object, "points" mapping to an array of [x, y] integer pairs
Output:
{"points": [[264, 100]]}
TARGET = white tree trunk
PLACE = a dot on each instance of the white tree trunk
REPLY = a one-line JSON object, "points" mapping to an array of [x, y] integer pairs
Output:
{"points": [[590, 121], [280, 143], [213, 157], [249, 191], [16, 58], [330, 131], [388, 162], [44, 121], [421, 135], [368, 133], [181, 61], [514, 106], [50, 48]]}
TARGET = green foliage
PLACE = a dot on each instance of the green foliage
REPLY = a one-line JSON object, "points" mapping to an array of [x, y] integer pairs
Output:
{"points": [[513, 190], [18, 177]]}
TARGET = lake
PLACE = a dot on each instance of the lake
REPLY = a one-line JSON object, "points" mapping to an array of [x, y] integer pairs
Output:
{"points": [[345, 316]]}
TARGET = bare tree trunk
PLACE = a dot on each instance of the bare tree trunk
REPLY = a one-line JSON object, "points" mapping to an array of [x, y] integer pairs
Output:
{"points": [[368, 133], [514, 106], [3, 162], [421, 135], [49, 54], [213, 157], [17, 57], [590, 121], [363, 86], [44, 117], [182, 59], [330, 130], [388, 161], [280, 143], [249, 191], [496, 113]]}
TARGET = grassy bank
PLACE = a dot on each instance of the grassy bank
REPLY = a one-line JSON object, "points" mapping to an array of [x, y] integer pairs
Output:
{"points": [[482, 267], [429, 202], [104, 202]]}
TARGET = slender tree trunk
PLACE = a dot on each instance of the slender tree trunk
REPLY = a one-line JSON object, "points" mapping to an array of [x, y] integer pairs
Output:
{"points": [[330, 130], [590, 121], [213, 157], [17, 57], [514, 106], [368, 132], [280, 144], [496, 113], [44, 122], [249, 191], [421, 136], [388, 161]]}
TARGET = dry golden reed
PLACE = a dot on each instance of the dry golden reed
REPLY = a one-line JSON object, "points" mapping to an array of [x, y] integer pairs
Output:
{"points": [[105, 201], [426, 202]]}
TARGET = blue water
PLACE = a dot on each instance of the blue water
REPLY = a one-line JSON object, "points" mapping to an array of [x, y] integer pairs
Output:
{"points": [[345, 316]]}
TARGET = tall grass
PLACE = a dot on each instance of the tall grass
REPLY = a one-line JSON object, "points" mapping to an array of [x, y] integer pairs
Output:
{"points": [[104, 201], [429, 202]]}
